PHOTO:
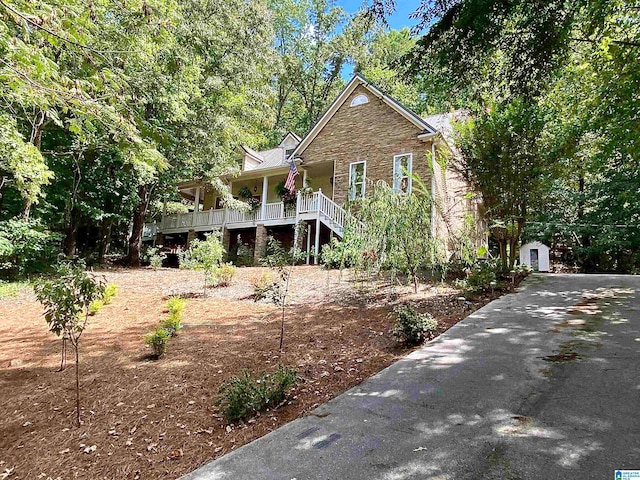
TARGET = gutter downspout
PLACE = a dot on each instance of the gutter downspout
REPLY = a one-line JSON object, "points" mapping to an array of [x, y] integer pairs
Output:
{"points": [[433, 189]]}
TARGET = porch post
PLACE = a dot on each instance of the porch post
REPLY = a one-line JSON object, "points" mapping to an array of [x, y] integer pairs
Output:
{"points": [[308, 246], [315, 257], [265, 188], [196, 206], [304, 179]]}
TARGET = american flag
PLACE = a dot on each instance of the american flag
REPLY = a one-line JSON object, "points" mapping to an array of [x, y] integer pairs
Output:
{"points": [[290, 182]]}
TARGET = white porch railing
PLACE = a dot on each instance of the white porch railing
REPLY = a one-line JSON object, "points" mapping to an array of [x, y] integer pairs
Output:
{"points": [[315, 205]]}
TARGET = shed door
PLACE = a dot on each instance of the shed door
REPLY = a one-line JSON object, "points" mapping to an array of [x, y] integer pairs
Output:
{"points": [[533, 257]]}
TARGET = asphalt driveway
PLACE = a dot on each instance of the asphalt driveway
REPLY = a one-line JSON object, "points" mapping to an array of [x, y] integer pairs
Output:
{"points": [[540, 384]]}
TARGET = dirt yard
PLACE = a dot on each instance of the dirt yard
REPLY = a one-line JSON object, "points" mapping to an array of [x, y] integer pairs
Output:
{"points": [[157, 419]]}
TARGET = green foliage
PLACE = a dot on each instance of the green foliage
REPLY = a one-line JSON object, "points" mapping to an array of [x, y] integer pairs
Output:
{"points": [[95, 306], [341, 253], [11, 289], [66, 297], [176, 305], [158, 341], [245, 395], [205, 255], [275, 254], [396, 234], [172, 324], [264, 286], [223, 274], [110, 292], [411, 327], [26, 246], [483, 276], [504, 160], [21, 162]]}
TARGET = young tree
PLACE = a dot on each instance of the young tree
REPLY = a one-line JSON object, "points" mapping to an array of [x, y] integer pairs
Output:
{"points": [[66, 298], [205, 255], [396, 233]]}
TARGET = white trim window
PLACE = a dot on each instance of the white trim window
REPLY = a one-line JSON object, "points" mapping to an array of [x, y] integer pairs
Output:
{"points": [[402, 169], [357, 179], [359, 100]]}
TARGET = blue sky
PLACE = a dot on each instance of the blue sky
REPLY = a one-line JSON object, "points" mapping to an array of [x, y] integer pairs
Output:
{"points": [[398, 20]]}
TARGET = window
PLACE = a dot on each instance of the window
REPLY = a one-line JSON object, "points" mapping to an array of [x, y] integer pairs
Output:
{"points": [[359, 100], [357, 179], [402, 167], [288, 152]]}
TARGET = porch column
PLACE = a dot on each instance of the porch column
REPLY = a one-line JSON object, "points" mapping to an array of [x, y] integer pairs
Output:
{"points": [[304, 179], [265, 189], [316, 258], [308, 245], [196, 207]]}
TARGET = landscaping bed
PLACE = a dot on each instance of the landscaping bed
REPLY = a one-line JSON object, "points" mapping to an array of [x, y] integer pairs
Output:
{"points": [[158, 419]]}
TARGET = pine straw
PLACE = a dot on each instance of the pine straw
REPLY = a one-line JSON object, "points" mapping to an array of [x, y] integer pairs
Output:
{"points": [[157, 419]]}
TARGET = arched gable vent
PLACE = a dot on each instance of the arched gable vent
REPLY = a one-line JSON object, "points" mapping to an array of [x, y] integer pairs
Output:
{"points": [[359, 100]]}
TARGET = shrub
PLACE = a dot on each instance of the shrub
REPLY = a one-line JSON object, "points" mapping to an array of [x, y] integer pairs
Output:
{"points": [[110, 293], [411, 327], [263, 286], [244, 395], [339, 254], [172, 324], [275, 254], [482, 276], [95, 306], [221, 276], [158, 340], [26, 246], [10, 289], [176, 305]]}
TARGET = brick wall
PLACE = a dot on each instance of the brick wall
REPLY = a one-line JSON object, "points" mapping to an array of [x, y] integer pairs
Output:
{"points": [[373, 132]]}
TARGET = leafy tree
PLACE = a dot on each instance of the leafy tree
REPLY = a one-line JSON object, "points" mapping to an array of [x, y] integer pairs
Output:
{"points": [[397, 233], [503, 159], [205, 255], [66, 298]]}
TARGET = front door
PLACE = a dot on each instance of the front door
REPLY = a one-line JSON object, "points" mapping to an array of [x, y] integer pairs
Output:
{"points": [[533, 256]]}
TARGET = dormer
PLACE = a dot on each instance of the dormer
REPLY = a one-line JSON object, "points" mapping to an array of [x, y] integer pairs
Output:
{"points": [[289, 143], [251, 159]]}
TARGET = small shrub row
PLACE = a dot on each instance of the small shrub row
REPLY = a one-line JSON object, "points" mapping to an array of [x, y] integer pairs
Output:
{"points": [[411, 327], [159, 338], [244, 395], [110, 292]]}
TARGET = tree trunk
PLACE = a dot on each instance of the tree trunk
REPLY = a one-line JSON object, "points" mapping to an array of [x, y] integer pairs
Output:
{"points": [[72, 231], [135, 241], [105, 239], [77, 347]]}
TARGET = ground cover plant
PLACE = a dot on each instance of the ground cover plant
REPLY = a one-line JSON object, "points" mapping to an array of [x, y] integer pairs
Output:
{"points": [[160, 419]]}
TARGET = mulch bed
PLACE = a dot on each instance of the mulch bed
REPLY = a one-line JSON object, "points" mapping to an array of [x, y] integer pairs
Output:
{"points": [[158, 419]]}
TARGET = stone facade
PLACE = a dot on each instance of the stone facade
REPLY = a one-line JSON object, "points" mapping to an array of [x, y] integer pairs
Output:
{"points": [[372, 132], [261, 244]]}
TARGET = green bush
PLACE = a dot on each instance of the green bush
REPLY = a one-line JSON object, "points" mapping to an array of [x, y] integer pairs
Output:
{"points": [[263, 286], [158, 340], [153, 256], [244, 395], [95, 306], [411, 327], [339, 254], [176, 306], [275, 254], [482, 276], [26, 247], [10, 289], [110, 293], [172, 324], [222, 275]]}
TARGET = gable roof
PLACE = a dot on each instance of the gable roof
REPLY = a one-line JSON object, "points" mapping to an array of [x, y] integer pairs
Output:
{"points": [[357, 80], [295, 137]]}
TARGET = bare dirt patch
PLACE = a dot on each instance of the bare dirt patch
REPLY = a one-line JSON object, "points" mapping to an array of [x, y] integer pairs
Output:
{"points": [[157, 419]]}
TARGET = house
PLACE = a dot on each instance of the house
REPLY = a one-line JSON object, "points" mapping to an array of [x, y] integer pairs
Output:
{"points": [[364, 136]]}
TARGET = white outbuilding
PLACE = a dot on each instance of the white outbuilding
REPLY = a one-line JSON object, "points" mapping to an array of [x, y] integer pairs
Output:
{"points": [[536, 255]]}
